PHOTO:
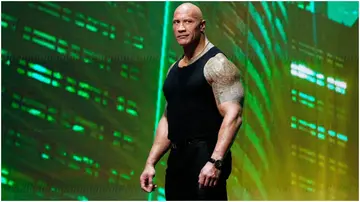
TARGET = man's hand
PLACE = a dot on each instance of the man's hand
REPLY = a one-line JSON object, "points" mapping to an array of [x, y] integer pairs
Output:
{"points": [[209, 175], [146, 179]]}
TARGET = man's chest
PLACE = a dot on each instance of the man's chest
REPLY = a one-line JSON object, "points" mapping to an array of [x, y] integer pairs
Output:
{"points": [[185, 81]]}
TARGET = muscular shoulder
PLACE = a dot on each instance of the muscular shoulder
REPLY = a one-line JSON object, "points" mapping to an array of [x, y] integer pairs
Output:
{"points": [[224, 78], [220, 69], [171, 66]]}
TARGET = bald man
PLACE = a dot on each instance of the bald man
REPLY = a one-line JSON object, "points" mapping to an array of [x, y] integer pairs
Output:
{"points": [[203, 113]]}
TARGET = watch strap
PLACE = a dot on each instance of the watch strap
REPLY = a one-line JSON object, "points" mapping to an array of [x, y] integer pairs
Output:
{"points": [[211, 160], [217, 163]]}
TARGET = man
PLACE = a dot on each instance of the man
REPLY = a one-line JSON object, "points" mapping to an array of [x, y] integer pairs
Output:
{"points": [[203, 114]]}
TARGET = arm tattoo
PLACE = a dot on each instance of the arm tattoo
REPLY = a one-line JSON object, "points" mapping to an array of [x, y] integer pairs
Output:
{"points": [[224, 78]]}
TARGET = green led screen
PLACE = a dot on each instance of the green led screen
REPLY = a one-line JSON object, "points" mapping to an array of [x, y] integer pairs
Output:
{"points": [[81, 98]]}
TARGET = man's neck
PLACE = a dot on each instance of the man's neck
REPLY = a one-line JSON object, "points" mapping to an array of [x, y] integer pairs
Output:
{"points": [[193, 50]]}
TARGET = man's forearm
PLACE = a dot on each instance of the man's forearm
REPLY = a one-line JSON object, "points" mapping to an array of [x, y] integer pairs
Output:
{"points": [[229, 127], [161, 143]]}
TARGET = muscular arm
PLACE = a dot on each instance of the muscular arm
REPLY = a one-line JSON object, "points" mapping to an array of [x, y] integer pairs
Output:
{"points": [[224, 77], [161, 143], [160, 146]]}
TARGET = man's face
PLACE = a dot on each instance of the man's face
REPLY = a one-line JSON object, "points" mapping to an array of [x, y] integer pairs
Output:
{"points": [[186, 26]]}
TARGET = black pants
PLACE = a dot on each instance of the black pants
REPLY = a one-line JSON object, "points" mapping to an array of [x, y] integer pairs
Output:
{"points": [[182, 173]]}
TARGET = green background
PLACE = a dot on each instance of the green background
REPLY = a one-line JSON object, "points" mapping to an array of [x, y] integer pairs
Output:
{"points": [[81, 97]]}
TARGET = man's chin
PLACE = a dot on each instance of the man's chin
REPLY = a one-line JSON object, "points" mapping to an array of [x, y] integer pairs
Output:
{"points": [[183, 42]]}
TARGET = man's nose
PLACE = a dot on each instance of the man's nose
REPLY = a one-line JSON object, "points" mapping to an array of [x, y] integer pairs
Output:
{"points": [[181, 27]]}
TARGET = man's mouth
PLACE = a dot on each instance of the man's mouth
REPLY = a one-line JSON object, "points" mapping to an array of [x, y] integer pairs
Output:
{"points": [[182, 36]]}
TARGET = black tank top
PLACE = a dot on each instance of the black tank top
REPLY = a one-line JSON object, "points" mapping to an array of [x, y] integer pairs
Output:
{"points": [[191, 111]]}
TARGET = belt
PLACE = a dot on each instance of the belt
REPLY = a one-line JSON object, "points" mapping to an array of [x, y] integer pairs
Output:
{"points": [[184, 143]]}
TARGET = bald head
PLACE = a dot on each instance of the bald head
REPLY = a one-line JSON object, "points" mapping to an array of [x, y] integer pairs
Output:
{"points": [[188, 24], [189, 9]]}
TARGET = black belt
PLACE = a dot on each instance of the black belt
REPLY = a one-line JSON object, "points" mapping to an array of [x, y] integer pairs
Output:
{"points": [[187, 142]]}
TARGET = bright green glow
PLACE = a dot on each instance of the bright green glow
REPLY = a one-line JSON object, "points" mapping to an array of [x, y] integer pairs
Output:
{"points": [[259, 22], [44, 35], [79, 23], [256, 47], [162, 64], [48, 11], [8, 17], [311, 7], [280, 27], [250, 67], [89, 27], [40, 68], [4, 171], [4, 180], [83, 94], [124, 176], [283, 11], [257, 144], [251, 100], [254, 104], [39, 77], [314, 128], [78, 128], [303, 98], [132, 112], [255, 76], [4, 24], [254, 174], [343, 12], [52, 5], [35, 112], [82, 198], [5, 52], [161, 70], [267, 10], [45, 156], [60, 50], [131, 104], [44, 43], [77, 158], [308, 74], [139, 46]]}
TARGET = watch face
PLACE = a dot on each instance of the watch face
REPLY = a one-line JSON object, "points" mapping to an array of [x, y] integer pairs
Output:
{"points": [[218, 164]]}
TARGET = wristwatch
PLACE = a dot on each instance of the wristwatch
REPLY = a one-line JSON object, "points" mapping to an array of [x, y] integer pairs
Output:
{"points": [[218, 163]]}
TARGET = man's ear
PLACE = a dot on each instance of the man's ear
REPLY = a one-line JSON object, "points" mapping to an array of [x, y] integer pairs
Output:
{"points": [[202, 25]]}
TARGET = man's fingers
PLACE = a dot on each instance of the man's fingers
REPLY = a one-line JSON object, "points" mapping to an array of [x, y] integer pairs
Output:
{"points": [[150, 181], [144, 181], [142, 185], [147, 188], [207, 180], [211, 181], [215, 182], [201, 180]]}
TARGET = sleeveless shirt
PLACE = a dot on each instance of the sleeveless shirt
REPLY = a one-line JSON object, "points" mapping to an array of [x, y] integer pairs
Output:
{"points": [[192, 112]]}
